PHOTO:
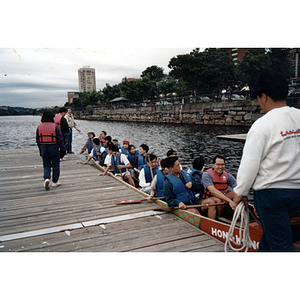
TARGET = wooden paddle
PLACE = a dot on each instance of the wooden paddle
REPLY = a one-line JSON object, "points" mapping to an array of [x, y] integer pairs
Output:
{"points": [[136, 200], [189, 206]]}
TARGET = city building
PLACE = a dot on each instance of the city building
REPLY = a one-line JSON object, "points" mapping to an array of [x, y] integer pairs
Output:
{"points": [[294, 57], [72, 95], [237, 54], [86, 79]]}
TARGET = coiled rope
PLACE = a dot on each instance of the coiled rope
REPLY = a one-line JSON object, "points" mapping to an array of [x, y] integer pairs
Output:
{"points": [[241, 212]]}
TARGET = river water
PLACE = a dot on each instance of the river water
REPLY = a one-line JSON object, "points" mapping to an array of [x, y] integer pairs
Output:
{"points": [[189, 141]]}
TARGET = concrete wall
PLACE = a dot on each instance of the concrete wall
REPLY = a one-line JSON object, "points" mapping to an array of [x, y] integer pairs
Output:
{"points": [[237, 113]]}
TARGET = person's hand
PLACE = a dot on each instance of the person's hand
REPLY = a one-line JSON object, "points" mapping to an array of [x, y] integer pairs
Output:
{"points": [[232, 204], [149, 198], [101, 174], [189, 185], [237, 199], [182, 206]]}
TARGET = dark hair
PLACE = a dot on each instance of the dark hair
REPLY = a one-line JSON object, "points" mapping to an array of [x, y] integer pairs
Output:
{"points": [[171, 161], [109, 143], [145, 147], [48, 116], [171, 152], [272, 84], [113, 147], [108, 138], [151, 157], [130, 146], [218, 156], [163, 163], [62, 109], [198, 163], [96, 141], [104, 132], [92, 133]]}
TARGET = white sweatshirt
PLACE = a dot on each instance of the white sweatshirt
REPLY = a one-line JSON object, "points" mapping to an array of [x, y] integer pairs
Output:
{"points": [[271, 155]]}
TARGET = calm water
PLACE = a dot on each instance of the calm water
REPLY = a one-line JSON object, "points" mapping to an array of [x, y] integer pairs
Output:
{"points": [[188, 140]]}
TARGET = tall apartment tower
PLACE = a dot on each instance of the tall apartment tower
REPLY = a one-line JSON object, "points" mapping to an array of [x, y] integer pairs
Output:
{"points": [[237, 54], [87, 79], [295, 59]]}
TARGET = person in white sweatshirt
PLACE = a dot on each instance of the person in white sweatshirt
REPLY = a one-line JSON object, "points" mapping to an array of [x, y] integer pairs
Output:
{"points": [[271, 163]]}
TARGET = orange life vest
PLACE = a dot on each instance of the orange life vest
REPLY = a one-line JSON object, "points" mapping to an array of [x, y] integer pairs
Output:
{"points": [[220, 182], [57, 120], [47, 133]]}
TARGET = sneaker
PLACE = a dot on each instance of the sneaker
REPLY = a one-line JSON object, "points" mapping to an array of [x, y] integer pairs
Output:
{"points": [[56, 183], [47, 184]]}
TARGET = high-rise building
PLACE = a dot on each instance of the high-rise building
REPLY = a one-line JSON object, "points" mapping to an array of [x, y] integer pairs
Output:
{"points": [[295, 59], [237, 54], [87, 79]]}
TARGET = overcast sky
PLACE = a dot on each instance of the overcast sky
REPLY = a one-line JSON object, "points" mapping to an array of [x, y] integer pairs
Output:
{"points": [[42, 48], [39, 77]]}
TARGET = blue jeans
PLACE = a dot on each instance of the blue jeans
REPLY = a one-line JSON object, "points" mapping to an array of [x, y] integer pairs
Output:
{"points": [[68, 141], [51, 159], [275, 208]]}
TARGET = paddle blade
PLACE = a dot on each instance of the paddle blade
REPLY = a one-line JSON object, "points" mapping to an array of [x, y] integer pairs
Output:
{"points": [[130, 201]]}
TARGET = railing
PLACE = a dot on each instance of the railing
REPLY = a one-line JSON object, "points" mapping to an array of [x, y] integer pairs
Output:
{"points": [[187, 100]]}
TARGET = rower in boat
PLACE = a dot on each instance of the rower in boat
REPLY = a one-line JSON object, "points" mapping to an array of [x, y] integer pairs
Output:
{"points": [[102, 137], [141, 159], [157, 185], [132, 155], [125, 148], [88, 146], [180, 187], [147, 173], [115, 140], [98, 153], [119, 162], [197, 168], [107, 140], [215, 182], [171, 153]]}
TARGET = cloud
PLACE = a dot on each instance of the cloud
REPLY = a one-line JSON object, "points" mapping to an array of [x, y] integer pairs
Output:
{"points": [[38, 77]]}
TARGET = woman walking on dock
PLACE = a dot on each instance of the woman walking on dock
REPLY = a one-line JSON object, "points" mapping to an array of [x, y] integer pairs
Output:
{"points": [[51, 145]]}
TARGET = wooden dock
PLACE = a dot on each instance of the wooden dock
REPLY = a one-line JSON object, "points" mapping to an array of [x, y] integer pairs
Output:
{"points": [[81, 215]]}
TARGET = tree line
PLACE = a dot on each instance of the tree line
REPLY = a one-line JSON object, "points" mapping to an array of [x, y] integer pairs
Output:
{"points": [[195, 73], [17, 111]]}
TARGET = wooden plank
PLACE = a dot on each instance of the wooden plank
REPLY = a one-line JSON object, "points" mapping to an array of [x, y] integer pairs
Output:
{"points": [[82, 197], [113, 238]]}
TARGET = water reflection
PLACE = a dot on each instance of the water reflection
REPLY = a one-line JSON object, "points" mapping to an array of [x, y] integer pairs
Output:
{"points": [[188, 140]]}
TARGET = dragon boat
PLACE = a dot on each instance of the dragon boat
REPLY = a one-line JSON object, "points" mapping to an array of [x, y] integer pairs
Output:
{"points": [[219, 228]]}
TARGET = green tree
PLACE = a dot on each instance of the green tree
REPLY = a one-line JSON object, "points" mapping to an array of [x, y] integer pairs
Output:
{"points": [[167, 85], [110, 92], [280, 62], [151, 77], [154, 73], [205, 71], [187, 68], [89, 109], [218, 70], [254, 62]]}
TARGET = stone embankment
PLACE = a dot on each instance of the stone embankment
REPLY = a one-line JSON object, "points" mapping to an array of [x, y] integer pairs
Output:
{"points": [[237, 113]]}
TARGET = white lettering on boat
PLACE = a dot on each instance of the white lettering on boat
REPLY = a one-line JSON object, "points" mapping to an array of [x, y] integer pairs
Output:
{"points": [[223, 235]]}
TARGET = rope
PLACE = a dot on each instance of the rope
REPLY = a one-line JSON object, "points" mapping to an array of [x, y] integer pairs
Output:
{"points": [[241, 212]]}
